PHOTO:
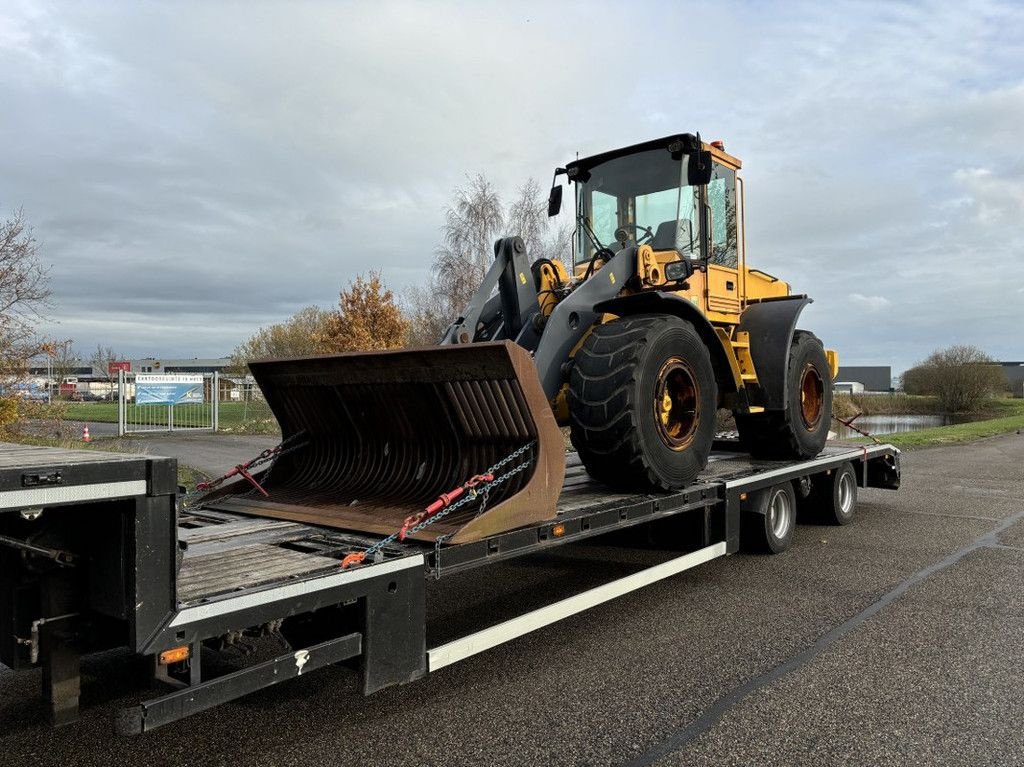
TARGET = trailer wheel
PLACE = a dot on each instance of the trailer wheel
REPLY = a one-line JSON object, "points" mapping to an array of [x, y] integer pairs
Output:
{"points": [[799, 431], [833, 497], [642, 403], [768, 519]]}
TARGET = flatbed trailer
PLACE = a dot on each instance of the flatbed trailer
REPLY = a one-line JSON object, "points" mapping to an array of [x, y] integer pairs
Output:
{"points": [[97, 553]]}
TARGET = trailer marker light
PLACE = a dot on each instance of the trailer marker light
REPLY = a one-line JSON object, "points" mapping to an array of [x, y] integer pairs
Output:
{"points": [[558, 531], [743, 496], [174, 655]]}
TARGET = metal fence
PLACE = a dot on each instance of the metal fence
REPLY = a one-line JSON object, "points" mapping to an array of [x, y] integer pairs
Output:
{"points": [[196, 409], [243, 408]]}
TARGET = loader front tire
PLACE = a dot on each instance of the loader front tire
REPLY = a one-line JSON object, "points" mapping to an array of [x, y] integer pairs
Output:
{"points": [[801, 430], [642, 403]]}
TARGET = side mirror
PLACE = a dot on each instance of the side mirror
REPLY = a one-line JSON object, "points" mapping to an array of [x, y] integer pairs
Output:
{"points": [[677, 271], [698, 170], [555, 201]]}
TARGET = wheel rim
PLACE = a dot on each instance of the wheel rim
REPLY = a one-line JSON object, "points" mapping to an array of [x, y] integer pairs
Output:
{"points": [[845, 494], [812, 396], [677, 403], [780, 514]]}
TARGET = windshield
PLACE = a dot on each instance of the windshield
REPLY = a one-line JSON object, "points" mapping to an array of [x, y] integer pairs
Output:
{"points": [[644, 194]]}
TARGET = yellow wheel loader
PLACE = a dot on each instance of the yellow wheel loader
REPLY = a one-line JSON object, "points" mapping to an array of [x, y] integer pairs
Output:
{"points": [[657, 323]]}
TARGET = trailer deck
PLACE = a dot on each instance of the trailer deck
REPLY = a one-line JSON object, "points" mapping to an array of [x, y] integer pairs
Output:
{"points": [[255, 551], [211, 573]]}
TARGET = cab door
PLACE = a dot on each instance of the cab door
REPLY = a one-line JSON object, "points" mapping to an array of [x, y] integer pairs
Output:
{"points": [[723, 294]]}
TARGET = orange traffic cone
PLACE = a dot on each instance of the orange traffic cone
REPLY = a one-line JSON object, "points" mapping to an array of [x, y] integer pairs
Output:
{"points": [[85, 434]]}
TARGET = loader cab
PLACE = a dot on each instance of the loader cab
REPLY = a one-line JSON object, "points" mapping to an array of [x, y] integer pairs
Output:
{"points": [[653, 194]]}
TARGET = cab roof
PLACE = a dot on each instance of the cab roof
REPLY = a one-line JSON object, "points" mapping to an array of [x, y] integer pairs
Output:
{"points": [[678, 143]]}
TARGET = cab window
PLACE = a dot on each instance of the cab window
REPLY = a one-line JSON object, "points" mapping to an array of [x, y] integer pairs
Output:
{"points": [[722, 201], [604, 216]]}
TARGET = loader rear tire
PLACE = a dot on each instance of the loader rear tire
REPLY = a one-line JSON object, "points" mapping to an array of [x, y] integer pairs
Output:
{"points": [[642, 403], [801, 430]]}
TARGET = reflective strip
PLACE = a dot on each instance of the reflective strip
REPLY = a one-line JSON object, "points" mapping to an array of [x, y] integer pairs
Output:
{"points": [[51, 496], [466, 646], [233, 604]]}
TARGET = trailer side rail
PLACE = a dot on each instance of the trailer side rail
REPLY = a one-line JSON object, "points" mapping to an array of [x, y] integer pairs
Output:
{"points": [[479, 641]]}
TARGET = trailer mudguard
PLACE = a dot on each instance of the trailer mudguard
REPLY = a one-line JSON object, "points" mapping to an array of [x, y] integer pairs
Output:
{"points": [[771, 324], [657, 302]]}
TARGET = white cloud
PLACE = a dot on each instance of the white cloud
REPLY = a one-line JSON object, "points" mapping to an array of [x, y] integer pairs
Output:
{"points": [[871, 303], [234, 162], [995, 199]]}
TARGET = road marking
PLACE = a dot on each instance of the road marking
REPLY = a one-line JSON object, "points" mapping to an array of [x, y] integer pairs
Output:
{"points": [[951, 516], [723, 705]]}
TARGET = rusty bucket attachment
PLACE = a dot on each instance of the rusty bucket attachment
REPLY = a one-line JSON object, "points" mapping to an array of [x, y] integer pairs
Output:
{"points": [[383, 434]]}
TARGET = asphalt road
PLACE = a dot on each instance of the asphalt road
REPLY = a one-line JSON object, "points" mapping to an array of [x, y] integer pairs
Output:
{"points": [[213, 454], [896, 640]]}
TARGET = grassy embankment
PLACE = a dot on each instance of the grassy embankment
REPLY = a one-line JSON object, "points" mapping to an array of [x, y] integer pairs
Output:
{"points": [[187, 475], [996, 416]]}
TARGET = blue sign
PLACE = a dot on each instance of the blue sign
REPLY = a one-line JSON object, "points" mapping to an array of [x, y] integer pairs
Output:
{"points": [[170, 389]]}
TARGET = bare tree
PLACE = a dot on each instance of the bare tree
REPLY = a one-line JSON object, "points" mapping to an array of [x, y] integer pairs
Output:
{"points": [[24, 292], [63, 361], [429, 313], [962, 377], [475, 219], [528, 217], [473, 222], [102, 359]]}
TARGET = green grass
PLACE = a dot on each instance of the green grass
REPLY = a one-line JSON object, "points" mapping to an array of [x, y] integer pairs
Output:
{"points": [[1001, 415], [1011, 419], [233, 417], [102, 412]]}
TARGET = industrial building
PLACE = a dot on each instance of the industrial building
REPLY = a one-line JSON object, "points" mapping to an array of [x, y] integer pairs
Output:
{"points": [[1014, 372], [873, 378]]}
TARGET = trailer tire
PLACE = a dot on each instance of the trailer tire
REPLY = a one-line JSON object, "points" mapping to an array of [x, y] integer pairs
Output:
{"points": [[768, 519], [642, 403], [833, 497], [799, 431]]}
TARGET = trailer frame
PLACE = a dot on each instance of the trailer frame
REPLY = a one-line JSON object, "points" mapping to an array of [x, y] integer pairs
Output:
{"points": [[159, 578]]}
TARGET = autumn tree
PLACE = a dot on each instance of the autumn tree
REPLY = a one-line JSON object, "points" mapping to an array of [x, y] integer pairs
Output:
{"points": [[367, 319], [962, 377], [295, 337], [24, 292]]}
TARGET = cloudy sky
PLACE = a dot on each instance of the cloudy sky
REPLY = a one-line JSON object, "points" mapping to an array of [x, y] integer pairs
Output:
{"points": [[196, 170]]}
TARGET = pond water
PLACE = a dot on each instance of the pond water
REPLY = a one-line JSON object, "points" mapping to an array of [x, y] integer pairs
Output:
{"points": [[894, 424]]}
